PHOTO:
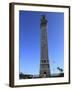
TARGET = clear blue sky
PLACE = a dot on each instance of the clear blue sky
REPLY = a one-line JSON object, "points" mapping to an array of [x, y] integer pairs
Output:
{"points": [[29, 41]]}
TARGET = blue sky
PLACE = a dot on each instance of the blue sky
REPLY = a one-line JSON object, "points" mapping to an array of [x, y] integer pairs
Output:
{"points": [[29, 41]]}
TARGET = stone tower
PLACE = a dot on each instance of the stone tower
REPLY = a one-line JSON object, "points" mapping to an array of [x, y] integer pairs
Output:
{"points": [[44, 59]]}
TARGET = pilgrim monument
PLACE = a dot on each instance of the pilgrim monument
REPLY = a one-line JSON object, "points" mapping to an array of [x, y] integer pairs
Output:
{"points": [[44, 59]]}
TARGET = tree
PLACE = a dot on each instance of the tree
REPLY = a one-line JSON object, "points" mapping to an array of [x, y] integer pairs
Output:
{"points": [[60, 69]]}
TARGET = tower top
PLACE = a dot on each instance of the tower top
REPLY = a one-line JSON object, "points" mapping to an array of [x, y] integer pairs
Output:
{"points": [[43, 16], [43, 20]]}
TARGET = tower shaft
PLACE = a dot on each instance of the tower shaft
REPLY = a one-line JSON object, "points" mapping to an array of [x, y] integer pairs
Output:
{"points": [[44, 61]]}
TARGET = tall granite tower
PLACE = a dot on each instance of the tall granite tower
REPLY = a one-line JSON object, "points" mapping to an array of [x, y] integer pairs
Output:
{"points": [[44, 60]]}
